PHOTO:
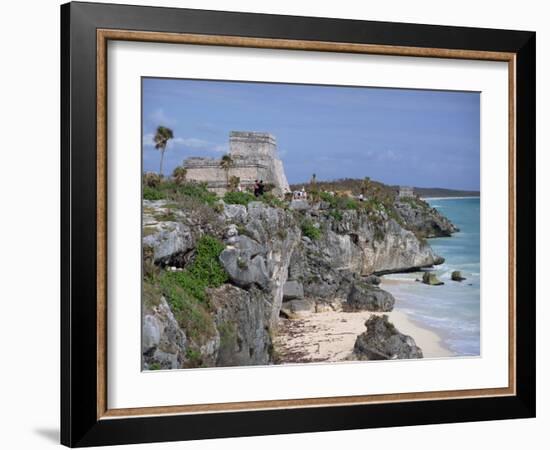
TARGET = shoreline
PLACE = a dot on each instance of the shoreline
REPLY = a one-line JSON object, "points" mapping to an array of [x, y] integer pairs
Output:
{"points": [[450, 198], [330, 336]]}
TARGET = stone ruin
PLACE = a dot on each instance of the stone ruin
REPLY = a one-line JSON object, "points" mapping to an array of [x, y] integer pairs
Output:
{"points": [[254, 157]]}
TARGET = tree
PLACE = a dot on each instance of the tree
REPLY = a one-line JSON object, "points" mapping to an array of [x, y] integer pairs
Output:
{"points": [[161, 138], [233, 183], [179, 174], [226, 164]]}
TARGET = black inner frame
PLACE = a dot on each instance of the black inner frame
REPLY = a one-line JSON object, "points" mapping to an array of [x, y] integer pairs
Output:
{"points": [[79, 424]]}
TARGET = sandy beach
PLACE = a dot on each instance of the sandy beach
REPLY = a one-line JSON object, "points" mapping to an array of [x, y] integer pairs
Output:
{"points": [[330, 336]]}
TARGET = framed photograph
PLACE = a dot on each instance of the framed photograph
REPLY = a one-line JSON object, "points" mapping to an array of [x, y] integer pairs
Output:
{"points": [[276, 224]]}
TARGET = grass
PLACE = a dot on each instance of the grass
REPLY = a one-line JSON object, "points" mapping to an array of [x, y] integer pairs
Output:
{"points": [[239, 198], [176, 192]]}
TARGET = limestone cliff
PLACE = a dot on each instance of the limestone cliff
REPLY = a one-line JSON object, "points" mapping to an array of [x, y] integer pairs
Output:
{"points": [[219, 304]]}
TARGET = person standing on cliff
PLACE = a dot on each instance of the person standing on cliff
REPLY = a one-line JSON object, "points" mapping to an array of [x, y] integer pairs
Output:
{"points": [[256, 188]]}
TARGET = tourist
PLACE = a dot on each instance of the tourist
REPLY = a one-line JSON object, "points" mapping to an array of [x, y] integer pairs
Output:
{"points": [[256, 188]]}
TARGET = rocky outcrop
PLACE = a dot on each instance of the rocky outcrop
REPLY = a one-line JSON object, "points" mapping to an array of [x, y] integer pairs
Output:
{"points": [[383, 341], [241, 317], [170, 242], [163, 342], [354, 245], [293, 290], [267, 240], [245, 262], [365, 297], [420, 217]]}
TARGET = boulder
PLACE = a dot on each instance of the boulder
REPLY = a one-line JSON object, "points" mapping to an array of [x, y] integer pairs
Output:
{"points": [[299, 205], [235, 213], [366, 297], [372, 279], [169, 241], [243, 271], [163, 342], [294, 309], [292, 290], [431, 279], [383, 341], [457, 276]]}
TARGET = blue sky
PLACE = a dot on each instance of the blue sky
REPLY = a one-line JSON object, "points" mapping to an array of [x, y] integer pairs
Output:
{"points": [[397, 136]]}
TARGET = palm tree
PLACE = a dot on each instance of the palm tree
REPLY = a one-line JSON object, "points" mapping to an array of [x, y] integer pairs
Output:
{"points": [[179, 174], [314, 191], [161, 138], [226, 163]]}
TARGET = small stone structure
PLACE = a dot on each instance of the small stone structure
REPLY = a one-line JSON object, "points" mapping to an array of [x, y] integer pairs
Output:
{"points": [[254, 157], [406, 191]]}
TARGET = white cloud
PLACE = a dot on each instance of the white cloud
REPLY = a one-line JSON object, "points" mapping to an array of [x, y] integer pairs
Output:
{"points": [[192, 143], [158, 116]]}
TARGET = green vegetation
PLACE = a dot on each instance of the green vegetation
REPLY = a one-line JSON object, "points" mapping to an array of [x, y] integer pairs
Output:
{"points": [[336, 215], [310, 230], [185, 292], [150, 193], [151, 179], [204, 272], [171, 190], [238, 198], [154, 366], [179, 175]]}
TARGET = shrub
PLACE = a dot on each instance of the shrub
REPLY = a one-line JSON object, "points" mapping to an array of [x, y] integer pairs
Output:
{"points": [[238, 198], [206, 265], [191, 314], [192, 190], [336, 215], [151, 193], [151, 179], [350, 203], [269, 199], [329, 198], [310, 230], [204, 272]]}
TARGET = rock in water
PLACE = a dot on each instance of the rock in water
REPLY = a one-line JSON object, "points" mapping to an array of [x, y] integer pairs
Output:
{"points": [[366, 297], [383, 341], [431, 279], [457, 276]]}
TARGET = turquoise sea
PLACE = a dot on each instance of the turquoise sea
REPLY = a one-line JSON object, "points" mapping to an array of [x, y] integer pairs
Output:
{"points": [[451, 310]]}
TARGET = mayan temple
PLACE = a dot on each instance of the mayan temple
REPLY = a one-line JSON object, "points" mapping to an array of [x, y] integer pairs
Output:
{"points": [[254, 157]]}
